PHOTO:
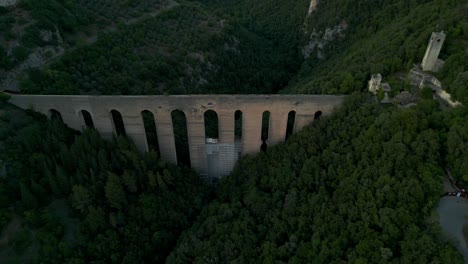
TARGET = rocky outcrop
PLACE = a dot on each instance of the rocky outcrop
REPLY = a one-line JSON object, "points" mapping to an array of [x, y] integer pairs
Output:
{"points": [[38, 58], [8, 2], [318, 40], [312, 6]]}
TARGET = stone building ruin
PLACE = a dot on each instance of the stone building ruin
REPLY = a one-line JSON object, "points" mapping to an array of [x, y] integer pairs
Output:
{"points": [[431, 61]]}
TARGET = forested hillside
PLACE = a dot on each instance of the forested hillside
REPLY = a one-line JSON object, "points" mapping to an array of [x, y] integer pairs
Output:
{"points": [[73, 198], [358, 187], [185, 50], [26, 26], [386, 37]]}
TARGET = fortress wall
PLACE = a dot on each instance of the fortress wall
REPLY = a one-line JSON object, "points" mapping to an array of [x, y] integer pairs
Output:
{"points": [[194, 107]]}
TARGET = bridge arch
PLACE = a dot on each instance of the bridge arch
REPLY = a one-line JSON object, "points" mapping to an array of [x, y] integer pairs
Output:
{"points": [[149, 124], [55, 115], [238, 125], [117, 121], [291, 123], [87, 119], [317, 115], [265, 130], [179, 125], [211, 124]]}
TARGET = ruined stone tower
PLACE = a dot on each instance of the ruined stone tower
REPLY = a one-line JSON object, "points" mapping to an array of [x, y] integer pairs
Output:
{"points": [[430, 61]]}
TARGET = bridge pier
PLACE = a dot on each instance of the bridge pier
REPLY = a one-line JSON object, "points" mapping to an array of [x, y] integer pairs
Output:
{"points": [[227, 150], [196, 141], [278, 125], [165, 134], [251, 131], [103, 123], [226, 126], [303, 120], [135, 130]]}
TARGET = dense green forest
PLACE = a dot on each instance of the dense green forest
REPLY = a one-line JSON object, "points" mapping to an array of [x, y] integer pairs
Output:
{"points": [[386, 37], [79, 196], [184, 50], [360, 186], [24, 25]]}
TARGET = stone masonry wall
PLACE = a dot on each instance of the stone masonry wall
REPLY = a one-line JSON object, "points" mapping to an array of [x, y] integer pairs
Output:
{"points": [[194, 107]]}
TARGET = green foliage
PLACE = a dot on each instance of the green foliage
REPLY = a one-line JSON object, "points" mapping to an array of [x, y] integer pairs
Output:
{"points": [[20, 53], [5, 61], [356, 187], [386, 37], [28, 199], [183, 50], [115, 193], [426, 93], [22, 241], [457, 148], [380, 94], [106, 184], [4, 97]]}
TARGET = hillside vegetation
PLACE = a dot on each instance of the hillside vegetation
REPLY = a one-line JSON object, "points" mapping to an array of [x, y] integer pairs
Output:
{"points": [[185, 50], [357, 187], [25, 25], [114, 193], [386, 37]]}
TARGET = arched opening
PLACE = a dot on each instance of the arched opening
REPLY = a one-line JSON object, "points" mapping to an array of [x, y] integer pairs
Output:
{"points": [[119, 127], [55, 115], [317, 115], [265, 128], [179, 123], [238, 125], [150, 130], [211, 126], [238, 133], [290, 125], [88, 120]]}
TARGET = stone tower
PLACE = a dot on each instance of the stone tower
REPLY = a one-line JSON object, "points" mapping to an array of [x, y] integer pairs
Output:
{"points": [[430, 61]]}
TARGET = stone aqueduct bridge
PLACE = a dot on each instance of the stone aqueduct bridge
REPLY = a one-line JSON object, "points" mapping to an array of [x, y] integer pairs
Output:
{"points": [[213, 160]]}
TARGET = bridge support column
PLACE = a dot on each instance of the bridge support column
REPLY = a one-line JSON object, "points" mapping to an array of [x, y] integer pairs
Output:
{"points": [[103, 123], [135, 130], [278, 125], [226, 127], [196, 141], [72, 120], [165, 132], [227, 149], [251, 131], [303, 120]]}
